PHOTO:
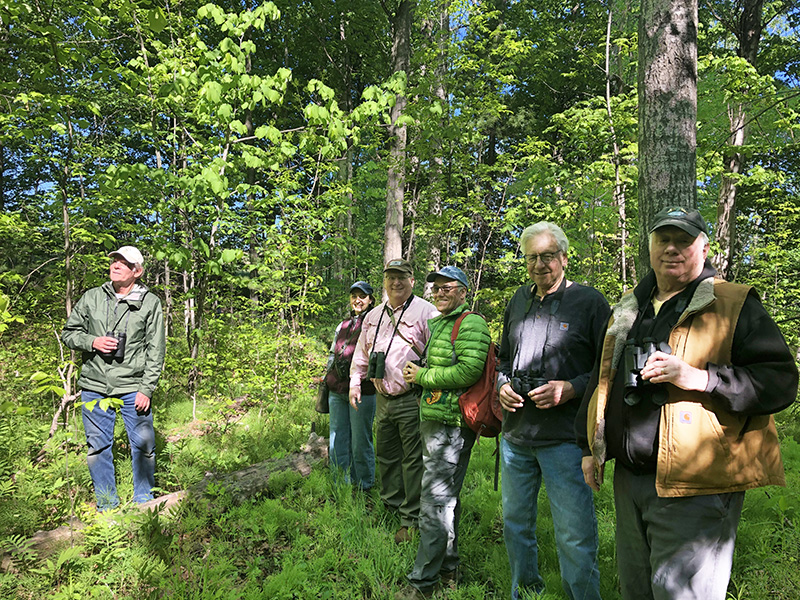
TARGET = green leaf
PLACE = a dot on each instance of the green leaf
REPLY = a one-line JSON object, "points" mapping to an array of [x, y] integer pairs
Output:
{"points": [[201, 245], [213, 91], [156, 20], [230, 255]]}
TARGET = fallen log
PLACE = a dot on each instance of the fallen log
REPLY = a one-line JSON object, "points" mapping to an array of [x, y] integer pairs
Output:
{"points": [[242, 485]]}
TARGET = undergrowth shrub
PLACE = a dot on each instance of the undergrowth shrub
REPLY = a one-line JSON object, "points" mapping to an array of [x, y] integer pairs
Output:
{"points": [[307, 537]]}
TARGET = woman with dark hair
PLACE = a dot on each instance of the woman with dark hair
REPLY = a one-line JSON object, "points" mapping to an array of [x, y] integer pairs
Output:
{"points": [[351, 449]]}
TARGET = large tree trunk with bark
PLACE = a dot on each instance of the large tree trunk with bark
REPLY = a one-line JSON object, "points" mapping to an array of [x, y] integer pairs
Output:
{"points": [[746, 26], [667, 77], [396, 176], [436, 29]]}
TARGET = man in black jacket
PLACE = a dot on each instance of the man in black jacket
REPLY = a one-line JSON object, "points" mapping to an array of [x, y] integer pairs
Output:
{"points": [[692, 368], [551, 332]]}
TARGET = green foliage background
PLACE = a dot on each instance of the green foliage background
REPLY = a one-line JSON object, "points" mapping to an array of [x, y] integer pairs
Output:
{"points": [[243, 148]]}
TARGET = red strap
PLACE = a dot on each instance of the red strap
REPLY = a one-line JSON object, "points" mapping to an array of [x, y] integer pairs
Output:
{"points": [[454, 333]]}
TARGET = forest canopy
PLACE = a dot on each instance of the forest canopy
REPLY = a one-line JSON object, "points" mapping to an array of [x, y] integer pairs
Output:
{"points": [[263, 157]]}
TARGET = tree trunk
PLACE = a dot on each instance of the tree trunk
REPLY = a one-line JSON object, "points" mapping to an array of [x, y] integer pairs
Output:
{"points": [[440, 31], [396, 176], [667, 76], [619, 186], [747, 28], [168, 307]]}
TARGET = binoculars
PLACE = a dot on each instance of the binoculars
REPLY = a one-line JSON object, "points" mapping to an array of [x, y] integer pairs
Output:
{"points": [[341, 368], [377, 365], [522, 382], [635, 357], [119, 352]]}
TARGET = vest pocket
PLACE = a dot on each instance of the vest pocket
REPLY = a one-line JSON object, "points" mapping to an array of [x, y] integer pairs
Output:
{"points": [[696, 445]]}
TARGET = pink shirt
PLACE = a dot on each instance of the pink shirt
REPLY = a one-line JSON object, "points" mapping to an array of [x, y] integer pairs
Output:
{"points": [[412, 333]]}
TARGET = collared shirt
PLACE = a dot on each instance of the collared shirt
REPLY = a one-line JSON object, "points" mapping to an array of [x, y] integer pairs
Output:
{"points": [[557, 336], [407, 343]]}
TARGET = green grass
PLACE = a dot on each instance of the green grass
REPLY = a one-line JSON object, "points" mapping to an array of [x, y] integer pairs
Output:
{"points": [[313, 539], [307, 538]]}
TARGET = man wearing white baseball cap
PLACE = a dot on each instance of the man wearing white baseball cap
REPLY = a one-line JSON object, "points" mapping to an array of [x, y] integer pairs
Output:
{"points": [[119, 328]]}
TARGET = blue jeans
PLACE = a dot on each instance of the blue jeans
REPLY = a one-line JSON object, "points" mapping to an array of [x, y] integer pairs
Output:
{"points": [[351, 451], [572, 508], [99, 427]]}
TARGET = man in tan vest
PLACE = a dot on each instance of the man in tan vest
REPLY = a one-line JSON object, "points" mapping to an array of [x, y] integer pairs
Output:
{"points": [[692, 368]]}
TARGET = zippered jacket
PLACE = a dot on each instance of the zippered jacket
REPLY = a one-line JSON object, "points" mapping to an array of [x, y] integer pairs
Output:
{"points": [[452, 368], [722, 439], [139, 316]]}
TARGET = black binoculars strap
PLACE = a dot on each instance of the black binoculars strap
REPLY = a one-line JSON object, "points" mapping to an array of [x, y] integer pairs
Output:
{"points": [[555, 304], [388, 309], [127, 316]]}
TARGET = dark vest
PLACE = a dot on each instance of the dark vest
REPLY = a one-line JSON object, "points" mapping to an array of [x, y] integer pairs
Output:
{"points": [[338, 376]]}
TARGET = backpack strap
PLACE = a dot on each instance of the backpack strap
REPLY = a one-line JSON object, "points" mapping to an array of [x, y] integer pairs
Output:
{"points": [[454, 332], [457, 326]]}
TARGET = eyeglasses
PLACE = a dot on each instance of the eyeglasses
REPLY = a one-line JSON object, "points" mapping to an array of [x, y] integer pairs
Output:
{"points": [[395, 277], [547, 257], [444, 288]]}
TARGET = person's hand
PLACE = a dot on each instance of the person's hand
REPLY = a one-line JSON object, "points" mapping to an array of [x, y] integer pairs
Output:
{"points": [[141, 403], [592, 475], [410, 372], [355, 397], [666, 368], [509, 399], [105, 344], [552, 394]]}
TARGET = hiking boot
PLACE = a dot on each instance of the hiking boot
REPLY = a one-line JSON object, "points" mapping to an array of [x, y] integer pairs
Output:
{"points": [[409, 592], [450, 579], [404, 534]]}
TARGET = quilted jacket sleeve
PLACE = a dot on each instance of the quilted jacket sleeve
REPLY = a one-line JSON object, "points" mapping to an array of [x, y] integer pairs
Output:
{"points": [[471, 349]]}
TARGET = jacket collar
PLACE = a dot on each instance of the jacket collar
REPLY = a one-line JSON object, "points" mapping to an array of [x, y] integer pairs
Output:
{"points": [[626, 311], [456, 312], [134, 298]]}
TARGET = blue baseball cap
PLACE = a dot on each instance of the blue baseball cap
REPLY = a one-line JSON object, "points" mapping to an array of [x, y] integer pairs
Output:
{"points": [[450, 272], [363, 286]]}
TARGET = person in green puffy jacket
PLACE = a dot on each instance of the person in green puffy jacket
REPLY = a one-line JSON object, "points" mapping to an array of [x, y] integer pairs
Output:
{"points": [[446, 440], [119, 328]]}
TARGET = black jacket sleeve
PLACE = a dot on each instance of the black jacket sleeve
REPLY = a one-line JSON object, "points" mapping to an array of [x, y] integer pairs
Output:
{"points": [[763, 377]]}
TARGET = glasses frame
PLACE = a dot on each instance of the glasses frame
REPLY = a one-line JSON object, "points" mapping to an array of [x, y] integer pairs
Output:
{"points": [[532, 259], [448, 289]]}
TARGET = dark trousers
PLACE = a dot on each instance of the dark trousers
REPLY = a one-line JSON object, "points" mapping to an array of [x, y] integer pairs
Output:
{"points": [[673, 548], [398, 450]]}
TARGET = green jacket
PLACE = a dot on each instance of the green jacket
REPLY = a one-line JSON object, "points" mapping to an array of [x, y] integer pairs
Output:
{"points": [[139, 316], [452, 370]]}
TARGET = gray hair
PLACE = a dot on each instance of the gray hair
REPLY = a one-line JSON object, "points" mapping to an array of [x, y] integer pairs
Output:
{"points": [[545, 227], [702, 235]]}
